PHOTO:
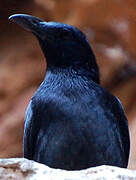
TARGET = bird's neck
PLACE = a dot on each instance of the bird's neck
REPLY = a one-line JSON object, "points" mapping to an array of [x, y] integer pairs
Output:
{"points": [[71, 59], [75, 71]]}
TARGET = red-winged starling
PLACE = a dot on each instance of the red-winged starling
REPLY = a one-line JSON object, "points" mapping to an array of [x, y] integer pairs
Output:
{"points": [[72, 122]]}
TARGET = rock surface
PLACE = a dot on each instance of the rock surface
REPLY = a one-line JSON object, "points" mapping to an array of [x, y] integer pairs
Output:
{"points": [[19, 169]]}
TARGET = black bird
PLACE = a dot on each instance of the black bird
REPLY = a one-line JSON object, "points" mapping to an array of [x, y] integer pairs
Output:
{"points": [[71, 121]]}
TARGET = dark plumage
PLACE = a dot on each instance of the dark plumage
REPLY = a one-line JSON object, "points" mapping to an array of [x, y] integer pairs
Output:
{"points": [[72, 122]]}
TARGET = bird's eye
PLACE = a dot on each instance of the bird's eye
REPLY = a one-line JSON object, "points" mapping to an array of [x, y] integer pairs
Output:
{"points": [[35, 22], [62, 35]]}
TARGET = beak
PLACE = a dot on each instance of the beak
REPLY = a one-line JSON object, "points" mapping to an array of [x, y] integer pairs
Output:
{"points": [[28, 22]]}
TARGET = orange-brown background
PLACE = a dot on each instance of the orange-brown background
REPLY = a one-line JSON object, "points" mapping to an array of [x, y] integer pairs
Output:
{"points": [[110, 26]]}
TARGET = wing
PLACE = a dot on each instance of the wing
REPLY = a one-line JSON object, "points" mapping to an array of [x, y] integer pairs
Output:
{"points": [[29, 132], [107, 127], [123, 126]]}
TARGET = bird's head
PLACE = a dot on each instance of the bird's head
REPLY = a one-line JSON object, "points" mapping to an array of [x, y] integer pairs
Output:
{"points": [[63, 45]]}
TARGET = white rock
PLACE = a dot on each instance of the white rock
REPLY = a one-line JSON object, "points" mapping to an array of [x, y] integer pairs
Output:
{"points": [[20, 168]]}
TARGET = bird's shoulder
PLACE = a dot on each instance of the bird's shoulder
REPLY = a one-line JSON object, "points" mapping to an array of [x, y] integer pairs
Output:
{"points": [[72, 95]]}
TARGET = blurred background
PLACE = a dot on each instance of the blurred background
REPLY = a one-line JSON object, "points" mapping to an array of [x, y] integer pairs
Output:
{"points": [[110, 26]]}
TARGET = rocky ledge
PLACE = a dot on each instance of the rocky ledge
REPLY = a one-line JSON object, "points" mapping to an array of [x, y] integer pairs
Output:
{"points": [[20, 168]]}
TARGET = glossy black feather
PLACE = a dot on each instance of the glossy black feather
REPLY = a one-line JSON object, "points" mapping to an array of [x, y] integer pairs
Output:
{"points": [[72, 122], [78, 124]]}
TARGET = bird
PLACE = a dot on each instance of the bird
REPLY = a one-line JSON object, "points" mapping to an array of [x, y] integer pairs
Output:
{"points": [[72, 122]]}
